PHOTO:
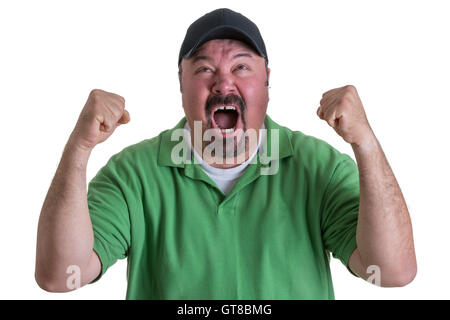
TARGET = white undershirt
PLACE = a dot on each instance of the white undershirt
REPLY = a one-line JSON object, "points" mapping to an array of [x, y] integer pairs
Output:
{"points": [[225, 179]]}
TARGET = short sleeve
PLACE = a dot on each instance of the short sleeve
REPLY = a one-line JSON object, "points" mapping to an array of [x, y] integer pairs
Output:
{"points": [[109, 212], [340, 207]]}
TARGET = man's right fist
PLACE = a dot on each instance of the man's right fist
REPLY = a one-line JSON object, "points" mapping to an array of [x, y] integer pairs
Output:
{"points": [[102, 114]]}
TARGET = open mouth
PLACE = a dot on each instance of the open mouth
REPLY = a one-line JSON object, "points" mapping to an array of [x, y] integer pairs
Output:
{"points": [[225, 118]]}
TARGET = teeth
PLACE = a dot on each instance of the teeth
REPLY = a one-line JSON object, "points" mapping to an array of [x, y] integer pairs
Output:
{"points": [[225, 108], [227, 130]]}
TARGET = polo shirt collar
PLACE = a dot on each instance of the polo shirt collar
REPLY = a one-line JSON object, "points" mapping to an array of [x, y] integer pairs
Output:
{"points": [[166, 144]]}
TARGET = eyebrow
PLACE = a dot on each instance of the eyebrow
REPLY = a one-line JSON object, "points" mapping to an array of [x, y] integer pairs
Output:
{"points": [[208, 58], [198, 58], [242, 54]]}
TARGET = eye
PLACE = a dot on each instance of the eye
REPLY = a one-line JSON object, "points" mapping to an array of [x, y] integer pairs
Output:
{"points": [[204, 69], [241, 67]]}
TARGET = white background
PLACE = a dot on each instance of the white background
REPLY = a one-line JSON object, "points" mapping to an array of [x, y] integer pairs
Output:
{"points": [[52, 53]]}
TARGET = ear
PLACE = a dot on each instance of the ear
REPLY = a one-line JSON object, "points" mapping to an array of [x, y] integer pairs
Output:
{"points": [[179, 80], [268, 76]]}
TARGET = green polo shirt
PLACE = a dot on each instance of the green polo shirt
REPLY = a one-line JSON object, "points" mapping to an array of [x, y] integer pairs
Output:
{"points": [[269, 238]]}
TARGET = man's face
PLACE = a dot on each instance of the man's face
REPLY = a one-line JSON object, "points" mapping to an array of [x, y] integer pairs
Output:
{"points": [[225, 73]]}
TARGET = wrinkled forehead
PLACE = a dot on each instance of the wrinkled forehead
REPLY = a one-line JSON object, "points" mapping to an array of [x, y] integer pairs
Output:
{"points": [[223, 47]]}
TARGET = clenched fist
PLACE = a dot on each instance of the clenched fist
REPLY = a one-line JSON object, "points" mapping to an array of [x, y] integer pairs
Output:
{"points": [[102, 114], [342, 109]]}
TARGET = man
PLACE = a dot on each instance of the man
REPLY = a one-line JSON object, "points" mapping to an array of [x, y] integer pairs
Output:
{"points": [[222, 227]]}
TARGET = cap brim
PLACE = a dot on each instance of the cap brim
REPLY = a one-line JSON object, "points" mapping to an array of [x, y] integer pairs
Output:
{"points": [[225, 32]]}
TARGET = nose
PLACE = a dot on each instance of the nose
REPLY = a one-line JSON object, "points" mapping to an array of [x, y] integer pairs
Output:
{"points": [[223, 84]]}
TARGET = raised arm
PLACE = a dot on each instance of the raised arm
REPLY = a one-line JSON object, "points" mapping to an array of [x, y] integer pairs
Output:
{"points": [[384, 233], [65, 236]]}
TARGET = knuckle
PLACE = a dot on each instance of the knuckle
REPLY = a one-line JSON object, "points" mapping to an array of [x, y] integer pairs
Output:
{"points": [[95, 92], [350, 88], [94, 96], [347, 95]]}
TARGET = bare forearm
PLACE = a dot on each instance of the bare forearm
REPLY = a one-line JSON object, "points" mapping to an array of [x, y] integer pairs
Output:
{"points": [[65, 235], [384, 231]]}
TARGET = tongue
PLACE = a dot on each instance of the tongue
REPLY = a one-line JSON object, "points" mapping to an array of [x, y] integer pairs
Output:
{"points": [[225, 120]]}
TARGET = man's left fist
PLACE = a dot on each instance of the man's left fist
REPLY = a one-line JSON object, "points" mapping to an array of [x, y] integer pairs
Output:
{"points": [[343, 110]]}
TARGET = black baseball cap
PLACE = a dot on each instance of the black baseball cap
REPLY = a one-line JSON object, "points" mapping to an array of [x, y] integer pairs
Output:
{"points": [[222, 24]]}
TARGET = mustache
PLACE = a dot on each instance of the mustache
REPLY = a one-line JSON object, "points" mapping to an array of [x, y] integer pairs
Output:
{"points": [[225, 100]]}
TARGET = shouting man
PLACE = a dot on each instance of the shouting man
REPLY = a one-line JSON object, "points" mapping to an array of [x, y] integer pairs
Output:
{"points": [[252, 211]]}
